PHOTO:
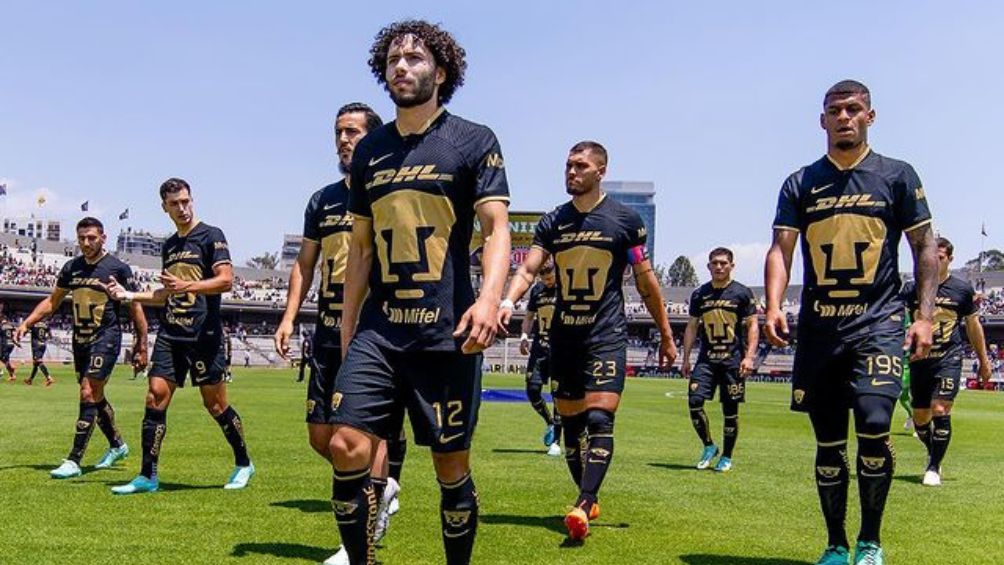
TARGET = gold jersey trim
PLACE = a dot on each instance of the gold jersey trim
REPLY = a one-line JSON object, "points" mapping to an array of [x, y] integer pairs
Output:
{"points": [[424, 127], [867, 152], [918, 225], [312, 240], [481, 201], [603, 196], [786, 228], [223, 262]]}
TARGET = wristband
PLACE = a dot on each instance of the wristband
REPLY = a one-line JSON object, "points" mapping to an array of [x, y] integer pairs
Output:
{"points": [[524, 337], [506, 303], [127, 296]]}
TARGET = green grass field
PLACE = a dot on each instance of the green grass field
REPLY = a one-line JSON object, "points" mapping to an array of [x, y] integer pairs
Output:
{"points": [[656, 508]]}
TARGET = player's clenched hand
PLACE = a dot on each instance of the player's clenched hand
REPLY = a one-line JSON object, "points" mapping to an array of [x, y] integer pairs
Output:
{"points": [[19, 333], [482, 321], [140, 359], [919, 339], [113, 289], [173, 283], [685, 369], [776, 326], [281, 339], [746, 367], [667, 352], [986, 371], [504, 315]]}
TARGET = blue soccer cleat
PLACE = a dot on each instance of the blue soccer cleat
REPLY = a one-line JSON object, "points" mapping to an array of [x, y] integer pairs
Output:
{"points": [[868, 553], [239, 478], [709, 453], [549, 436], [724, 464], [112, 455], [138, 485], [67, 470], [835, 555]]}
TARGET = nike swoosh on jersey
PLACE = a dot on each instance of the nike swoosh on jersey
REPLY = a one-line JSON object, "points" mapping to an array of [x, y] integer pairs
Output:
{"points": [[375, 161], [566, 226], [601, 382], [330, 206], [817, 189], [876, 382], [448, 439]]}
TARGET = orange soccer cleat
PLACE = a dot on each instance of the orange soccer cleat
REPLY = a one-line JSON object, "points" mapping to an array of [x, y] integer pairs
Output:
{"points": [[577, 524], [594, 512]]}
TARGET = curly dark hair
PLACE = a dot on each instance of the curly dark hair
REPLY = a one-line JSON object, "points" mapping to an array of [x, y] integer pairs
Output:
{"points": [[448, 54]]}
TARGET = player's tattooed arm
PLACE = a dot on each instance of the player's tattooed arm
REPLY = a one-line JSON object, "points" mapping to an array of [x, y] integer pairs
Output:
{"points": [[518, 285], [357, 276], [300, 280], [140, 328], [481, 319], [919, 337], [42, 310], [777, 274], [974, 329], [689, 337], [648, 289]]}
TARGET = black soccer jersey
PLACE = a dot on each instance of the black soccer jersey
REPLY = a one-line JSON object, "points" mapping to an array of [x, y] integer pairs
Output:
{"points": [[192, 257], [720, 313], [952, 305], [95, 315], [421, 191], [327, 222], [7, 333], [851, 221], [591, 250], [542, 301], [39, 335]]}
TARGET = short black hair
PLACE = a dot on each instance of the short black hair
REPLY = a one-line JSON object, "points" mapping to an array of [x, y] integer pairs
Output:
{"points": [[721, 251], [848, 87], [593, 146], [943, 243], [173, 186], [547, 268], [448, 54], [90, 222], [373, 120]]}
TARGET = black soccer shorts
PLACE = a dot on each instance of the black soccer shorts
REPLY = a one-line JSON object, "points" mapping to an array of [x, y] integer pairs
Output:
{"points": [[538, 367], [5, 353], [203, 359], [38, 352], [834, 369], [96, 360], [579, 369], [324, 365], [708, 377], [441, 390], [935, 379]]}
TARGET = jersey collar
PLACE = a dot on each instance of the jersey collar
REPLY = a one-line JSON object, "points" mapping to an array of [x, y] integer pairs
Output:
{"points": [[716, 287], [104, 253], [867, 152], [603, 196], [425, 127], [192, 229]]}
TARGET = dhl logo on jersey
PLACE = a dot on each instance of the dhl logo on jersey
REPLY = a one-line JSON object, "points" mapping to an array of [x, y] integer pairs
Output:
{"points": [[407, 174], [337, 220], [85, 281], [720, 304], [181, 256], [844, 202], [582, 236]]}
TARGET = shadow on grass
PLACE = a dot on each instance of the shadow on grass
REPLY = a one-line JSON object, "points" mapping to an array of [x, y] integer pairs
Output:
{"points": [[552, 523], [916, 479], [164, 486], [37, 467], [673, 466], [306, 506], [702, 559], [279, 549], [533, 451]]}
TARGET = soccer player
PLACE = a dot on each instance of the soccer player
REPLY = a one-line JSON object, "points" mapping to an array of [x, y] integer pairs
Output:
{"points": [[40, 335], [197, 271], [726, 311], [326, 231], [851, 208], [97, 339], [539, 313], [936, 380], [7, 345], [416, 186], [593, 239]]}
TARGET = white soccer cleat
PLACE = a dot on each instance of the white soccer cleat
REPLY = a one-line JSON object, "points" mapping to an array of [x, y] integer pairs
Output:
{"points": [[932, 478], [68, 469], [340, 558], [392, 505], [383, 514], [240, 478], [555, 450]]}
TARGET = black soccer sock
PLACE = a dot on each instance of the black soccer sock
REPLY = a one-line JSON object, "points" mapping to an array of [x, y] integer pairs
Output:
{"points": [[379, 485], [396, 451], [599, 454], [700, 420], [832, 481], [233, 429], [355, 504], [44, 369], [730, 427], [533, 392], [924, 435], [575, 427], [153, 431], [85, 426], [458, 506], [34, 370], [106, 421], [876, 461], [557, 427], [942, 436]]}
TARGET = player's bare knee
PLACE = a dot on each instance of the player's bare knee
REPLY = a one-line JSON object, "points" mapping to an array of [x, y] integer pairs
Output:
{"points": [[941, 409], [350, 449], [451, 467]]}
